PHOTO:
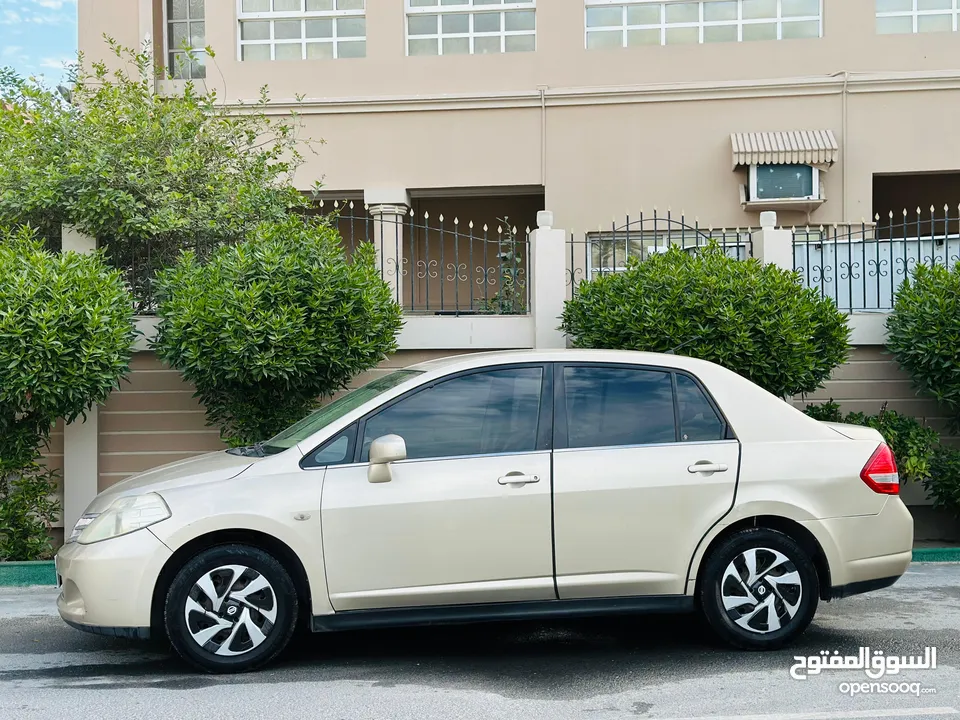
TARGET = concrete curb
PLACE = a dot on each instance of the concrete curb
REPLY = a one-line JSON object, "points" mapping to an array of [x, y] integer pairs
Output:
{"points": [[43, 572], [22, 574]]}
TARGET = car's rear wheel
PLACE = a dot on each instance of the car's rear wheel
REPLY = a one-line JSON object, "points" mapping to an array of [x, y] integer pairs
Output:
{"points": [[759, 589], [231, 609]]}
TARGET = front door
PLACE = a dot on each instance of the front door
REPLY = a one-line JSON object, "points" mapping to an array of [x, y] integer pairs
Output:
{"points": [[631, 503], [466, 518]]}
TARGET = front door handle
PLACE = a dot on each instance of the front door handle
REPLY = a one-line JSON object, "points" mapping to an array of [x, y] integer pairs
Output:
{"points": [[518, 479], [705, 466]]}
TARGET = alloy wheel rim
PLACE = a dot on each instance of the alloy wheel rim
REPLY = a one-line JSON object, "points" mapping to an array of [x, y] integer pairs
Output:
{"points": [[230, 610], [761, 590]]}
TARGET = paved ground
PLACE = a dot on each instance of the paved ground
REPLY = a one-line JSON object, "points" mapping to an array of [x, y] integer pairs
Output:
{"points": [[593, 670]]}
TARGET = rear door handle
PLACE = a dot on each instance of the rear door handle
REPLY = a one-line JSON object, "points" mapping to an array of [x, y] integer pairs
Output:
{"points": [[707, 467], [518, 479]]}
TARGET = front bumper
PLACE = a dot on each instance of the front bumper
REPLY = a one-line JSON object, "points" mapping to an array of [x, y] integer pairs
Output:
{"points": [[107, 587]]}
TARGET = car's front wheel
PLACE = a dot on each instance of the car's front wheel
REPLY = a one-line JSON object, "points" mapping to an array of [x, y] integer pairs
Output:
{"points": [[231, 608], [759, 589]]}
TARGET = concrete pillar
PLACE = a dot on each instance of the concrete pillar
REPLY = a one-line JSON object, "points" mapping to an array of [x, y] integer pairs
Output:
{"points": [[548, 289], [81, 445], [389, 208], [772, 245]]}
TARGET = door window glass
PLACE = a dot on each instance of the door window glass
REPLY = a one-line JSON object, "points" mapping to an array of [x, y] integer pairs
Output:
{"points": [[699, 422], [484, 413], [609, 406]]}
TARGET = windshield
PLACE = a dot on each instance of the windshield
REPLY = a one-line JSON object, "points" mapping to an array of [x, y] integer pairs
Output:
{"points": [[318, 419]]}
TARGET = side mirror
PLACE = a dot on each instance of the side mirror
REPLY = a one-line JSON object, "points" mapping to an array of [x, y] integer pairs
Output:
{"points": [[383, 451]]}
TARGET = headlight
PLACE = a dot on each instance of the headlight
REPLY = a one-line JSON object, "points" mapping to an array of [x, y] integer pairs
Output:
{"points": [[126, 515], [82, 523]]}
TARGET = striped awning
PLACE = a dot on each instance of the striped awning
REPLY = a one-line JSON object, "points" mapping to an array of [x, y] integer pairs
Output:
{"points": [[791, 147]]}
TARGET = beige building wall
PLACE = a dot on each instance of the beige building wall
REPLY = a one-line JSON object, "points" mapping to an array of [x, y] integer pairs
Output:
{"points": [[151, 420], [870, 378], [615, 130]]}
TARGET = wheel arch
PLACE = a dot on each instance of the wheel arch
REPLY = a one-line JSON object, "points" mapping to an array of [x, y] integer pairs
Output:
{"points": [[242, 536], [791, 528]]}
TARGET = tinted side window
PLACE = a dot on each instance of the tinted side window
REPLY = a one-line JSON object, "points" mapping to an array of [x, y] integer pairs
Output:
{"points": [[484, 413], [618, 406], [699, 422]]}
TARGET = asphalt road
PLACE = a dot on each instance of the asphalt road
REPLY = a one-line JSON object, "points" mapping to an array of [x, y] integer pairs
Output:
{"points": [[599, 669]]}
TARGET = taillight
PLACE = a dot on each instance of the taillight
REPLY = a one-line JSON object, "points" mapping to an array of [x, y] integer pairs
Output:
{"points": [[880, 472]]}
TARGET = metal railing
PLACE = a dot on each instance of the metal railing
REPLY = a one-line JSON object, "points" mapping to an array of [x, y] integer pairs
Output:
{"points": [[605, 251], [862, 266], [442, 265]]}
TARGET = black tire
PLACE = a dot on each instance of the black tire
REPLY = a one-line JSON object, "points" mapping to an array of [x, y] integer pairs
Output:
{"points": [[272, 610], [773, 598]]}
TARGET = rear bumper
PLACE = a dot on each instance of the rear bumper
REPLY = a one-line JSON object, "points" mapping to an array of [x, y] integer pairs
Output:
{"points": [[864, 586], [866, 552]]}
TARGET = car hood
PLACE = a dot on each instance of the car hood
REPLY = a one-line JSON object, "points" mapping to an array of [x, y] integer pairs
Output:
{"points": [[210, 467]]}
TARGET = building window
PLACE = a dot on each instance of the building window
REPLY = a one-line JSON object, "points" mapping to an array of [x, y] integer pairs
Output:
{"points": [[645, 22], [186, 32], [302, 29], [896, 17], [470, 27], [784, 182]]}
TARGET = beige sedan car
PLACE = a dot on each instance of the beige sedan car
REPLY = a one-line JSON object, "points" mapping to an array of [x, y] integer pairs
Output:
{"points": [[496, 486]]}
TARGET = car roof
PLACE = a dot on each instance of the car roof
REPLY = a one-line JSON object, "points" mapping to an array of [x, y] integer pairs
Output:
{"points": [[497, 357]]}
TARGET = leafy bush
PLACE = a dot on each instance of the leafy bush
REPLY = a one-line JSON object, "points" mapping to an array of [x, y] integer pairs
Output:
{"points": [[28, 508], [943, 485], [269, 326], [66, 335], [825, 412], [924, 333], [148, 174], [913, 444], [757, 320]]}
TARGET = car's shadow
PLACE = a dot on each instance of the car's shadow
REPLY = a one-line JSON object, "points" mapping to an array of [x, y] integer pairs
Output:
{"points": [[555, 659]]}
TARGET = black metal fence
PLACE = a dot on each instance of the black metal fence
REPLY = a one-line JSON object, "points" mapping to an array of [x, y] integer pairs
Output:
{"points": [[141, 260], [609, 250], [442, 265], [437, 266], [862, 266]]}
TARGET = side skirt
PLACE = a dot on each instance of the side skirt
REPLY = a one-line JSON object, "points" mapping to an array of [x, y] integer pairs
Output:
{"points": [[464, 614]]}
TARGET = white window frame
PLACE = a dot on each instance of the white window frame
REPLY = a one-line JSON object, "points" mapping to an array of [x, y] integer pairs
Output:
{"points": [[663, 26], [814, 196], [915, 14], [302, 16], [167, 50], [468, 9]]}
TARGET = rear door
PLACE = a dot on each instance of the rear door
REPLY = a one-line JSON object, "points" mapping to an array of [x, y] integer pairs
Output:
{"points": [[644, 465]]}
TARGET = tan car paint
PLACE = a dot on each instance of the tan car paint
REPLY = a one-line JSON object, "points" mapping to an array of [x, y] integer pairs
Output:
{"points": [[389, 554]]}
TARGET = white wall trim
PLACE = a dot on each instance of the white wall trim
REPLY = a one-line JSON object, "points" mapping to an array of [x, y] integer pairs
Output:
{"points": [[833, 84], [868, 328], [146, 325], [480, 332]]}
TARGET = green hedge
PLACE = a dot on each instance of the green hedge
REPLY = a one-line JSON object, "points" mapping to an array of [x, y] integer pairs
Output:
{"points": [[757, 320]]}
